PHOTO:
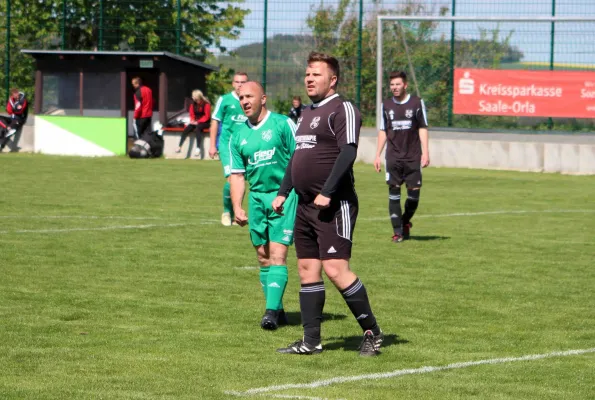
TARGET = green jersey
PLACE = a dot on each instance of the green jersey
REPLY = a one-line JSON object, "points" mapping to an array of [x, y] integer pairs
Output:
{"points": [[230, 115], [262, 152]]}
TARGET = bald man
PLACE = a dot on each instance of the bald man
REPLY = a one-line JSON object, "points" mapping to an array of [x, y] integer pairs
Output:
{"points": [[260, 152]]}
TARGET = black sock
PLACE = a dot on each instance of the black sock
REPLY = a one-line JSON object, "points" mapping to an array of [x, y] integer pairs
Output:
{"points": [[410, 205], [356, 297], [394, 209], [312, 296]]}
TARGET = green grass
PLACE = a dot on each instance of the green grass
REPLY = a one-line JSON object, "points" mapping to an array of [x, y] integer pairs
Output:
{"points": [[165, 312]]}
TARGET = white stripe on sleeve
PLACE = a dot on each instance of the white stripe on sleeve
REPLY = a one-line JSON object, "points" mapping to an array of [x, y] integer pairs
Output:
{"points": [[423, 111], [217, 105], [349, 122]]}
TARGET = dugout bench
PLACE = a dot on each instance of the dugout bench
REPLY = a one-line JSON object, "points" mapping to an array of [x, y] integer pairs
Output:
{"points": [[171, 138]]}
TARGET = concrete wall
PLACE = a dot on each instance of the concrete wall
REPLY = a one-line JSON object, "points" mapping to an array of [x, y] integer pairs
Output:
{"points": [[566, 154]]}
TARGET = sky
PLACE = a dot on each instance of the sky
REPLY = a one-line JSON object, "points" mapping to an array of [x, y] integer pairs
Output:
{"points": [[574, 41]]}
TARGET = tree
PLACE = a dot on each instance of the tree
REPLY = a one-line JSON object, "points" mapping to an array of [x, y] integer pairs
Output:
{"points": [[426, 54], [147, 25]]}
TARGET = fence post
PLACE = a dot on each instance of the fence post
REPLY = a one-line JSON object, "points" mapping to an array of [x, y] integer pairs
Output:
{"points": [[7, 51], [550, 121], [452, 64], [63, 26], [178, 27], [100, 46], [264, 45], [358, 72]]}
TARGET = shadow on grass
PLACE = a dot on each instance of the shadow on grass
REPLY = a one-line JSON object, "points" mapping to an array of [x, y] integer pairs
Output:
{"points": [[429, 237], [351, 343], [294, 318]]}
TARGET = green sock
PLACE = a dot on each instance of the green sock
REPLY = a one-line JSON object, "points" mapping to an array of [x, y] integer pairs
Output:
{"points": [[264, 273], [227, 207], [276, 283]]}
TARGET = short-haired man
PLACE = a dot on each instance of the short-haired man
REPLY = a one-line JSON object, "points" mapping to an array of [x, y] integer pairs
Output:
{"points": [[404, 125], [260, 151], [229, 114], [321, 172], [296, 109], [143, 107]]}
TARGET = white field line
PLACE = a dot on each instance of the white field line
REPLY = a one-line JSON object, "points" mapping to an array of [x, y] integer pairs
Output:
{"points": [[77, 217], [247, 268], [100, 228], [497, 212], [402, 372], [92, 217]]}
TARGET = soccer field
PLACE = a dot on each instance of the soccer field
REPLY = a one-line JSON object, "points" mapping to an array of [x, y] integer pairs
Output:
{"points": [[118, 282]]}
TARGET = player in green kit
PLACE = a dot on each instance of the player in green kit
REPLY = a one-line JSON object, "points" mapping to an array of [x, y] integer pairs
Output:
{"points": [[260, 151], [228, 113]]}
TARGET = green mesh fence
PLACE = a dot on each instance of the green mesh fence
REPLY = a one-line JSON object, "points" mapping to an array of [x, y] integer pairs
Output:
{"points": [[232, 34]]}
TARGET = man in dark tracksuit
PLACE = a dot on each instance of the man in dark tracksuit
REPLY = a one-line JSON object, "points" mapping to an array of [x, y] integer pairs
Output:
{"points": [[143, 107]]}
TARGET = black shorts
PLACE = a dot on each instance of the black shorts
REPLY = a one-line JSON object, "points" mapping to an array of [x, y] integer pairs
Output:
{"points": [[325, 234], [399, 171]]}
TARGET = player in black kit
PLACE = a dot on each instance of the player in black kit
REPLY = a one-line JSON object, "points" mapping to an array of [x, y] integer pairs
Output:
{"points": [[404, 125], [321, 172]]}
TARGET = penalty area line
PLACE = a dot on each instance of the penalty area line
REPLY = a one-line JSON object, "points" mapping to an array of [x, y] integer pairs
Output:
{"points": [[403, 372]]}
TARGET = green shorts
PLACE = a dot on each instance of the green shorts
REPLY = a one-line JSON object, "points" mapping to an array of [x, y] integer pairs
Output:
{"points": [[225, 157], [268, 226]]}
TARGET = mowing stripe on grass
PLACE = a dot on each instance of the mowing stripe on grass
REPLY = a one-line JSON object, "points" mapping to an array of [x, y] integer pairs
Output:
{"points": [[101, 228], [498, 212], [402, 372]]}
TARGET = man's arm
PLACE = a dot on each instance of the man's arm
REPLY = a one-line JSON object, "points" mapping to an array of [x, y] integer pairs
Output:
{"points": [[137, 104], [238, 187], [424, 138], [346, 124], [342, 165], [379, 148], [215, 121], [422, 118], [9, 108]]}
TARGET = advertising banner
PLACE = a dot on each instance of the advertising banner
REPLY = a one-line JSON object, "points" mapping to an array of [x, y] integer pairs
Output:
{"points": [[566, 94]]}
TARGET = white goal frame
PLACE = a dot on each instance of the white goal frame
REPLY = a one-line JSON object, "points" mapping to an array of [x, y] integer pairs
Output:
{"points": [[398, 18]]}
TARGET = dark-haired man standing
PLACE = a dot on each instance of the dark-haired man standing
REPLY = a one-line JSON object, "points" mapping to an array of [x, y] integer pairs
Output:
{"points": [[321, 172], [404, 125]]}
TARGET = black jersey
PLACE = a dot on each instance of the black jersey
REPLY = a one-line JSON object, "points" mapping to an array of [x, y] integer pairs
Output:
{"points": [[323, 129], [401, 122]]}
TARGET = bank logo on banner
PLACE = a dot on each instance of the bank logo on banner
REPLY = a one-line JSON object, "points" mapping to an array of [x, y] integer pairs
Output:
{"points": [[466, 84], [518, 93]]}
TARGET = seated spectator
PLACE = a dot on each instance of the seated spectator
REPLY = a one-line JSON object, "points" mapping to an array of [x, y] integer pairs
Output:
{"points": [[200, 119], [296, 111]]}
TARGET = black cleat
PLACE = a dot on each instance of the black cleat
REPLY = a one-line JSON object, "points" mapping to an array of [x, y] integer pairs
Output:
{"points": [[282, 318], [397, 238], [371, 344], [407, 230], [302, 348], [269, 320]]}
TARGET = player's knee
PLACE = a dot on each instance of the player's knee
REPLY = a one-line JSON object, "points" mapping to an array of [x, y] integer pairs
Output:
{"points": [[413, 194], [309, 270], [394, 193], [278, 256], [335, 269], [263, 257]]}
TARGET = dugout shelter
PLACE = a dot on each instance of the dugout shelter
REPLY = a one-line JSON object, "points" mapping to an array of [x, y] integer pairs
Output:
{"points": [[84, 99]]}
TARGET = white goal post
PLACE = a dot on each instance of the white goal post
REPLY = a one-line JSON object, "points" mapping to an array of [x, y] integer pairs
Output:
{"points": [[399, 18]]}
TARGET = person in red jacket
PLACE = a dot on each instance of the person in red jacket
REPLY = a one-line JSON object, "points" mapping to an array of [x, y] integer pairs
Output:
{"points": [[143, 106], [200, 119], [17, 108]]}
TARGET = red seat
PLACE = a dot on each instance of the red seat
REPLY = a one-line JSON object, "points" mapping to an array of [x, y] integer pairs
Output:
{"points": [[180, 129]]}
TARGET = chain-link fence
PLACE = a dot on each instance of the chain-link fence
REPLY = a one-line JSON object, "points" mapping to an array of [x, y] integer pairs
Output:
{"points": [[270, 40]]}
